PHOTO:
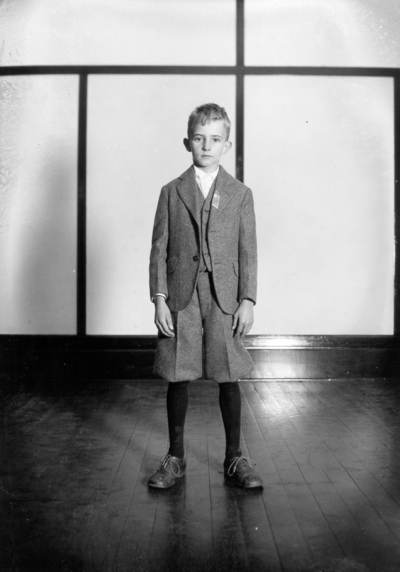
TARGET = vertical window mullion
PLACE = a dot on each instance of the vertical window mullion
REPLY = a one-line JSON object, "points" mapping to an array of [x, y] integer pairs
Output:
{"points": [[81, 248], [397, 203], [240, 90]]}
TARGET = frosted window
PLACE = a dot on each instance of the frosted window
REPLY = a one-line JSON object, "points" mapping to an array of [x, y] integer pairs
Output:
{"points": [[319, 157], [322, 33], [38, 126], [140, 32], [135, 145]]}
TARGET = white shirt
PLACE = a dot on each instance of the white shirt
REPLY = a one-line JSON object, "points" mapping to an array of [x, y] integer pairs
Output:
{"points": [[205, 180]]}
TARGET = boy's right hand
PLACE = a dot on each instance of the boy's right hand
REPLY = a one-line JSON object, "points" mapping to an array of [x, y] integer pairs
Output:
{"points": [[163, 318]]}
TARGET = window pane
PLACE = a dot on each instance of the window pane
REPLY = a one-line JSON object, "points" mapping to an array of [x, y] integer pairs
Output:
{"points": [[140, 32], [38, 125], [319, 157], [322, 33], [135, 145]]}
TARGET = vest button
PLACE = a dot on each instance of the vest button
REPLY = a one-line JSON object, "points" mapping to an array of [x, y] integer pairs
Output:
{"points": [[195, 258]]}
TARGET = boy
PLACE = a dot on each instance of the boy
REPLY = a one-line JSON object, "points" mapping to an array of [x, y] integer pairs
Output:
{"points": [[203, 267]]}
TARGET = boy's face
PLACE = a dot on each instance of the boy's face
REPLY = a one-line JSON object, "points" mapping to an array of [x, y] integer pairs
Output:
{"points": [[207, 143]]}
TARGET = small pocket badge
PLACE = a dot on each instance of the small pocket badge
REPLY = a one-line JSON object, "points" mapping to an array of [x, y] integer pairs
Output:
{"points": [[215, 201]]}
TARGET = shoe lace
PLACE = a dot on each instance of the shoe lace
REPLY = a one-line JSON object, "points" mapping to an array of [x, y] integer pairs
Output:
{"points": [[168, 460], [234, 465]]}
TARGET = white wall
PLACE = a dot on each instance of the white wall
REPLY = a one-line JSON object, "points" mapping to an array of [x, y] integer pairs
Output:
{"points": [[38, 161], [319, 156], [150, 32], [322, 33]]}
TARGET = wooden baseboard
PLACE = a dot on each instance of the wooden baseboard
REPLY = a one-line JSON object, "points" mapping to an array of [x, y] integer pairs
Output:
{"points": [[27, 358], [325, 357]]}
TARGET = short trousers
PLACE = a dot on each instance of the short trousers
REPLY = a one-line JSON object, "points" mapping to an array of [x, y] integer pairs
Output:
{"points": [[203, 346]]}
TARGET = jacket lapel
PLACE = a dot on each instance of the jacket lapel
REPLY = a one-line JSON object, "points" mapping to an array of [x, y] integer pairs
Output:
{"points": [[187, 190], [226, 190]]}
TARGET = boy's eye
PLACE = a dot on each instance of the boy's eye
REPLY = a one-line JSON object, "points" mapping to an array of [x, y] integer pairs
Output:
{"points": [[216, 140]]}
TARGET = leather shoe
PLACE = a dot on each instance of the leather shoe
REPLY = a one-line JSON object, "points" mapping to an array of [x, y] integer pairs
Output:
{"points": [[240, 471], [170, 469]]}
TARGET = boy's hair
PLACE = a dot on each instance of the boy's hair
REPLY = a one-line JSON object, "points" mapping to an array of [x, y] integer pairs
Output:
{"points": [[207, 113]]}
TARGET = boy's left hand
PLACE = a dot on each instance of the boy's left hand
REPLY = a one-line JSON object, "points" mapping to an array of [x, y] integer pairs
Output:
{"points": [[243, 319]]}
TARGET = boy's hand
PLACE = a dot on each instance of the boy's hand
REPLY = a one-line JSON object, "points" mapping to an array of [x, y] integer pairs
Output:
{"points": [[243, 319], [163, 318]]}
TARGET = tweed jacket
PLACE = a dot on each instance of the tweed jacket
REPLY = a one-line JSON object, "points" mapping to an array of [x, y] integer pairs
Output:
{"points": [[176, 244]]}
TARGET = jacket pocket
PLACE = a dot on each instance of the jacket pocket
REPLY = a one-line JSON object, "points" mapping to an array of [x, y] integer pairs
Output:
{"points": [[236, 268], [171, 263]]}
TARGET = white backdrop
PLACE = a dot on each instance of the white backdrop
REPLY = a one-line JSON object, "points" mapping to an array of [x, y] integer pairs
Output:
{"points": [[319, 154]]}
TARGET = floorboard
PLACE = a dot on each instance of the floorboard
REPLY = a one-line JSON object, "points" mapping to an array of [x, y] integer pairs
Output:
{"points": [[75, 463]]}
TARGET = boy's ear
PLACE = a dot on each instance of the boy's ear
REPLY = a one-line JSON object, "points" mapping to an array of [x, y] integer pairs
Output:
{"points": [[186, 142], [227, 146]]}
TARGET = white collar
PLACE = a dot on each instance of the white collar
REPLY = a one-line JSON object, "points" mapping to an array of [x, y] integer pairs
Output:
{"points": [[202, 175]]}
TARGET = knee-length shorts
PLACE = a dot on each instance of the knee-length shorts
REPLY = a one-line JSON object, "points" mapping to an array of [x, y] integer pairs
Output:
{"points": [[204, 345]]}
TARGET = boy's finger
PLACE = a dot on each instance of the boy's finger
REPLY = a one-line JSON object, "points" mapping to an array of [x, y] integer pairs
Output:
{"points": [[246, 329], [239, 329], [169, 330], [163, 327], [167, 333]]}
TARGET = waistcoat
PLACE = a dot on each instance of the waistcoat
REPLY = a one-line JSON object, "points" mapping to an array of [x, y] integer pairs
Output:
{"points": [[205, 205]]}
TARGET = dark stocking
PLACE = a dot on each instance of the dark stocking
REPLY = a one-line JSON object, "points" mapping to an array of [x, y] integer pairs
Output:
{"points": [[230, 404], [177, 402]]}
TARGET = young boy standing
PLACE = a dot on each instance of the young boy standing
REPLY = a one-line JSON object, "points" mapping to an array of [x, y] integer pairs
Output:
{"points": [[203, 280]]}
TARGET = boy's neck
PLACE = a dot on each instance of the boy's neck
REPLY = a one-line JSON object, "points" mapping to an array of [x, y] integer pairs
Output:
{"points": [[210, 170]]}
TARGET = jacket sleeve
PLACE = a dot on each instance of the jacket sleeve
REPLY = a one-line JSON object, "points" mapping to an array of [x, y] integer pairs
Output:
{"points": [[248, 250], [159, 248]]}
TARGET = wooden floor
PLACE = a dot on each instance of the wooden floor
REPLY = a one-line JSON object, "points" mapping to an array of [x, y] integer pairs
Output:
{"points": [[74, 466]]}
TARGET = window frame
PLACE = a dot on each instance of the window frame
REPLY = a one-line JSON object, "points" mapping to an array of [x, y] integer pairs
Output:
{"points": [[239, 71]]}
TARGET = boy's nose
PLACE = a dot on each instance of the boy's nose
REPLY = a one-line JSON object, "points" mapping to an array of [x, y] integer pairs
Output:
{"points": [[206, 144]]}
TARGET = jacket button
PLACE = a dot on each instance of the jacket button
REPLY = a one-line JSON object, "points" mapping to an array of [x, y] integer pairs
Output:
{"points": [[195, 258]]}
